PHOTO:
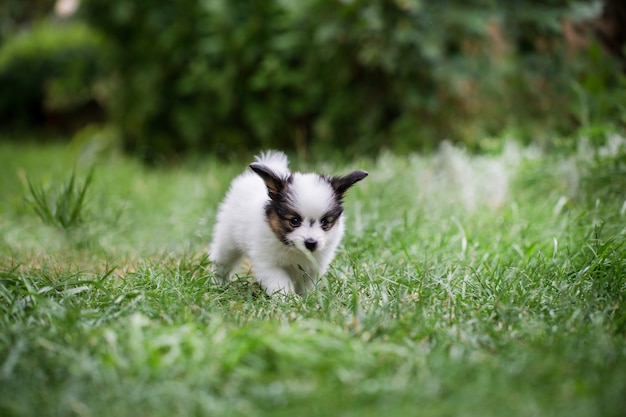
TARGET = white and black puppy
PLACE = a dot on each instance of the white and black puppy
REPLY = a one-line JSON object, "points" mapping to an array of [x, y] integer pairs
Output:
{"points": [[288, 224]]}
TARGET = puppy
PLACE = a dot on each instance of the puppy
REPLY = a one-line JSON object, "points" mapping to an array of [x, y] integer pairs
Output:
{"points": [[288, 224]]}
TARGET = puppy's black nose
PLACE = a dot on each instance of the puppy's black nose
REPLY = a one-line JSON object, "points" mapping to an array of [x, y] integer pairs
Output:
{"points": [[310, 244]]}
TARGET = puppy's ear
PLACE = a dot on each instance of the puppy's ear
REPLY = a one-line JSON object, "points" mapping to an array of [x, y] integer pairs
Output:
{"points": [[341, 184], [275, 184]]}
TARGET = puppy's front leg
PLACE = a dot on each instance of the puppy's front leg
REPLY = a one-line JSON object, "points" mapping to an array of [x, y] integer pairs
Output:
{"points": [[274, 280]]}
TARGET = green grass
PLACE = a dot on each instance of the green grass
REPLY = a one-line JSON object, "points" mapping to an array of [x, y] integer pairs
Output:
{"points": [[466, 286], [62, 208]]}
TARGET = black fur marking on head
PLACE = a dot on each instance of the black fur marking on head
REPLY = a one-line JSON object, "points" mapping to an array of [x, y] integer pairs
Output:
{"points": [[278, 225], [341, 184], [329, 219], [275, 184], [280, 214], [280, 217]]}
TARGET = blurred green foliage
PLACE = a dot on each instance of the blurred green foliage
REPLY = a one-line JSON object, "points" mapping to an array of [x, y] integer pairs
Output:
{"points": [[231, 76], [221, 74], [47, 71], [16, 14]]}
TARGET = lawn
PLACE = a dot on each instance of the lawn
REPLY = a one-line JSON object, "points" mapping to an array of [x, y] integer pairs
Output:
{"points": [[465, 286]]}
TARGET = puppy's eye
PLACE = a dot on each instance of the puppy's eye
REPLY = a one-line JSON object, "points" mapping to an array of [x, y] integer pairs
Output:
{"points": [[325, 223], [295, 222]]}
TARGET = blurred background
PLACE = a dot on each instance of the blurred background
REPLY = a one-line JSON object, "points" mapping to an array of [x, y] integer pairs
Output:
{"points": [[162, 80]]}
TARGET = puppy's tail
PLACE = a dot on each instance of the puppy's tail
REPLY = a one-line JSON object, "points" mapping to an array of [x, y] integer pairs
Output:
{"points": [[275, 160]]}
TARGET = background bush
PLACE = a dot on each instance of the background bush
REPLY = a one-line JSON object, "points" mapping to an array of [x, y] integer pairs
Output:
{"points": [[48, 74], [15, 14], [231, 76], [234, 75]]}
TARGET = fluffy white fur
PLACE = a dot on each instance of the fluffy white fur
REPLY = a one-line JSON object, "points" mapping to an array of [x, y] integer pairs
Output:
{"points": [[289, 263]]}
